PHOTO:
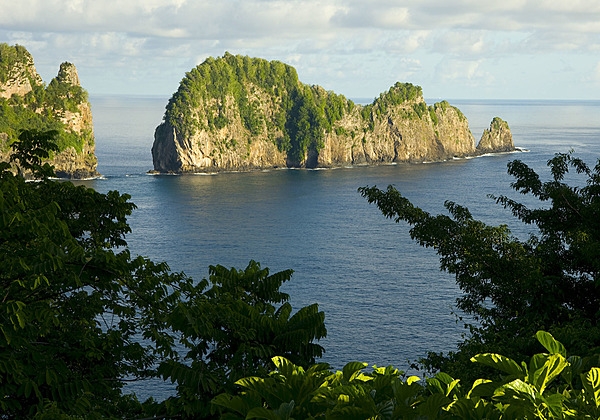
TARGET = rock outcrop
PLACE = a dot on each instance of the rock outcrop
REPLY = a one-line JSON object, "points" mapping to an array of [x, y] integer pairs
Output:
{"points": [[497, 138], [62, 106], [241, 113], [19, 72]]}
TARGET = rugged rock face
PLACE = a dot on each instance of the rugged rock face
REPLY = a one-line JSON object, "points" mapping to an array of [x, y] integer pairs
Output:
{"points": [[61, 106], [241, 113], [497, 138], [400, 135], [20, 77]]}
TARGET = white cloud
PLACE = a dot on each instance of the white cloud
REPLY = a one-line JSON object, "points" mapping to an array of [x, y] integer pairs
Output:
{"points": [[595, 74], [407, 42], [363, 42], [407, 69], [468, 73], [461, 43], [274, 20], [368, 14]]}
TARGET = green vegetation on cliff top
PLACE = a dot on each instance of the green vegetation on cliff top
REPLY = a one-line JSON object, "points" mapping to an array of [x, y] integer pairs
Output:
{"points": [[300, 114], [10, 56], [42, 108]]}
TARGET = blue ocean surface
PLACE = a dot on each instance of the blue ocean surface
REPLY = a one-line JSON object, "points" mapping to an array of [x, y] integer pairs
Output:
{"points": [[384, 297]]}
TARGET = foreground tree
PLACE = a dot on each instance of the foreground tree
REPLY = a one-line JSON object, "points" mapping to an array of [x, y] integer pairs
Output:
{"points": [[80, 317], [231, 326], [73, 299], [511, 287]]}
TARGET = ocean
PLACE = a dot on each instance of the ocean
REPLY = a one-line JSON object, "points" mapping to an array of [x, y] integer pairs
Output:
{"points": [[384, 297]]}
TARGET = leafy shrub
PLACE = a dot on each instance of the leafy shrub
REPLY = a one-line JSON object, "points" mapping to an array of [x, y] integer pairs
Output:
{"points": [[550, 386], [232, 325]]}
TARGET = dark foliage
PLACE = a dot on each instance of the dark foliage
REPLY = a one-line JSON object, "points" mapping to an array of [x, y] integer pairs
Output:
{"points": [[80, 317], [511, 287]]}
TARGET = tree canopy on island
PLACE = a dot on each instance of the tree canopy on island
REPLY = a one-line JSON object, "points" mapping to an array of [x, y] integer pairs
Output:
{"points": [[271, 99]]}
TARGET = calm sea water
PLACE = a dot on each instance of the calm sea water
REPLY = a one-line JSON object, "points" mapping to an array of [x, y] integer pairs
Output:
{"points": [[385, 300]]}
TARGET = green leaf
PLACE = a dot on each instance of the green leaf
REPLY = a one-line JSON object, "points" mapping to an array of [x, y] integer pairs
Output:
{"points": [[250, 382], [444, 377], [285, 410], [591, 385], [412, 379], [550, 343], [482, 388], [352, 369], [573, 369], [476, 409], [234, 403], [524, 390], [502, 363], [28, 388], [449, 383], [553, 366], [435, 386], [433, 405], [21, 319], [555, 403]]}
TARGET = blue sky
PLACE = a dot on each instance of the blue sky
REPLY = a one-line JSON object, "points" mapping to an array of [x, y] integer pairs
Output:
{"points": [[454, 49]]}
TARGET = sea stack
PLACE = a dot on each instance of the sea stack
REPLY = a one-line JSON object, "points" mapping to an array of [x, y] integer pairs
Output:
{"points": [[497, 138]]}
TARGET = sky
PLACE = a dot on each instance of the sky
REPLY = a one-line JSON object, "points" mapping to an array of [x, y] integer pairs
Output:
{"points": [[453, 49]]}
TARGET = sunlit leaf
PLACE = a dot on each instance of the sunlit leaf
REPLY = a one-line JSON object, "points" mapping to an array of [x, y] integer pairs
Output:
{"points": [[552, 345], [499, 362], [591, 384]]}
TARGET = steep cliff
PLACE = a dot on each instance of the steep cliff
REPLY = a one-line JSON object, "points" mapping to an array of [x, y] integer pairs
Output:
{"points": [[26, 103], [242, 113]]}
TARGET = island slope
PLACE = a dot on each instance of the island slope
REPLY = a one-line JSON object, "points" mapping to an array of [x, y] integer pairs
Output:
{"points": [[27, 104], [242, 113]]}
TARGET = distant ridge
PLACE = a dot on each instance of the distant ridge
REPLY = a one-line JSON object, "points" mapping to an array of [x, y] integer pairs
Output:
{"points": [[242, 113]]}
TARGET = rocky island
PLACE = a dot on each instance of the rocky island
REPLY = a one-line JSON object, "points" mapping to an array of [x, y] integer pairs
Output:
{"points": [[241, 113], [26, 103]]}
